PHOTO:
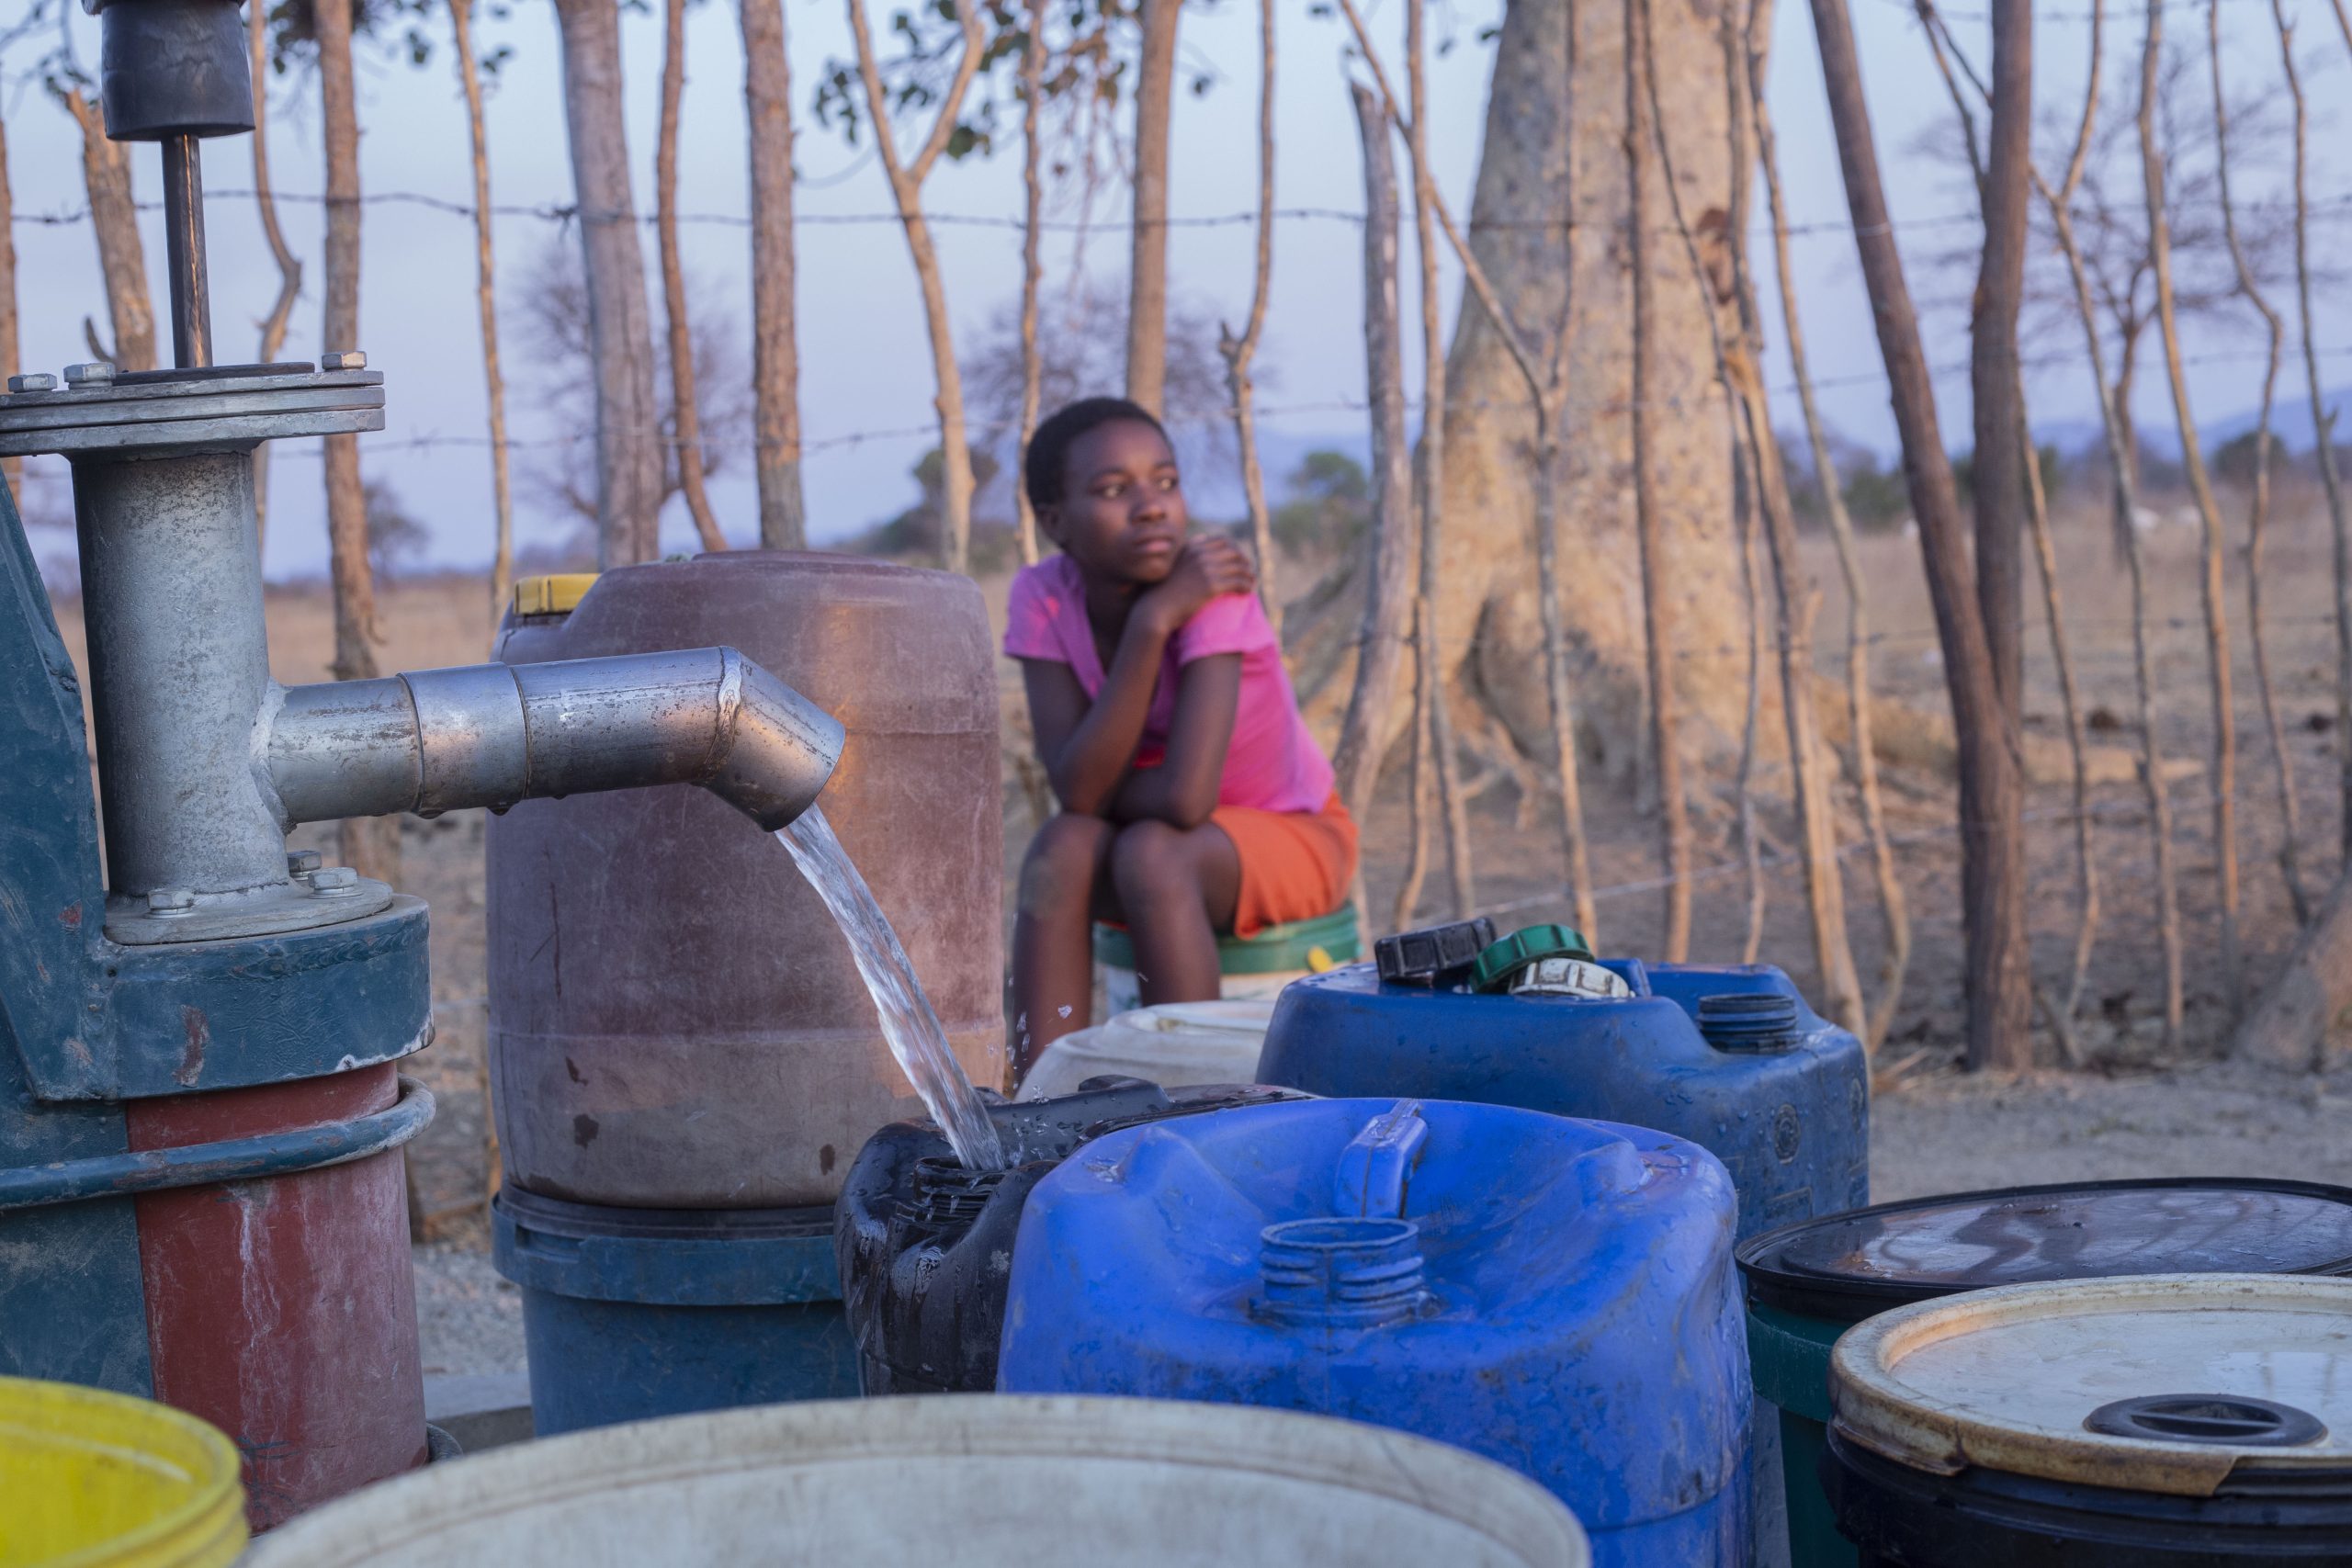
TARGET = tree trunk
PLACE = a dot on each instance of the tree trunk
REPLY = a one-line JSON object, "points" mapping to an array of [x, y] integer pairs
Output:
{"points": [[290, 268], [1893, 909], [1241, 352], [685, 407], [2209, 517], [1555, 149], [775, 344], [1365, 732], [371, 845], [1033, 213], [1543, 383], [1658, 614], [1147, 273], [2258, 504], [2287, 1025], [1738, 347], [105, 171], [906, 190], [620, 334], [502, 560], [1992, 858], [2329, 478], [2001, 456], [1436, 774]]}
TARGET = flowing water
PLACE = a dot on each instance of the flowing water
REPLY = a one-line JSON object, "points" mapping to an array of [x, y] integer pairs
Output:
{"points": [[908, 1021]]}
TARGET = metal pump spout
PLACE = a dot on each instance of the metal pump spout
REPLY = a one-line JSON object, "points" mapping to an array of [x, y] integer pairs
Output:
{"points": [[490, 735]]}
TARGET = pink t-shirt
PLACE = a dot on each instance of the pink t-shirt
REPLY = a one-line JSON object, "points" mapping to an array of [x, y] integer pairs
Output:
{"points": [[1273, 763]]}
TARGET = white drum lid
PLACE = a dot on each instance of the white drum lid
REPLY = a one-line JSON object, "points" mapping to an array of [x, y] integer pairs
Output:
{"points": [[2161, 1383]]}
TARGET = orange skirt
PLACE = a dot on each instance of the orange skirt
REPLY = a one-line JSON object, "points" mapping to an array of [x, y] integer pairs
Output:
{"points": [[1295, 865]]}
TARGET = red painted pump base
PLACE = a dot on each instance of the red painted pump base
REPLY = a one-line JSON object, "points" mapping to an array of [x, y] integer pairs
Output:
{"points": [[282, 1310]]}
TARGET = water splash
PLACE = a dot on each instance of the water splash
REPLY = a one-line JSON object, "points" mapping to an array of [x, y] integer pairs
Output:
{"points": [[908, 1022]]}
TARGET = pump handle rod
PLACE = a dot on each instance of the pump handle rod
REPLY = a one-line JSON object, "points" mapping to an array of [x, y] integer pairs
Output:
{"points": [[183, 251]]}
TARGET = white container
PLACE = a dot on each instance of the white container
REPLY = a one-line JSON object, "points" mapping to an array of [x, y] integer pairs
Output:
{"points": [[1172, 1044], [952, 1480]]}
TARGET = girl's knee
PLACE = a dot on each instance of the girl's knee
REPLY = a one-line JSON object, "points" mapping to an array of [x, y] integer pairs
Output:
{"points": [[1063, 861], [1152, 859]]}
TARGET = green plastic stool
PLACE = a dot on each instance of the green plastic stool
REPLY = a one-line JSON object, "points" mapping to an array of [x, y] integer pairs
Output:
{"points": [[1255, 966]]}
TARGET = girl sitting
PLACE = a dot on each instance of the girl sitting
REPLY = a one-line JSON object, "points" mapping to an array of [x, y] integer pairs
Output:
{"points": [[1193, 800]]}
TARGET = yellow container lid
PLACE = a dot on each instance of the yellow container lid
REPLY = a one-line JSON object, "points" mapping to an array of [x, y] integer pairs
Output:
{"points": [[555, 594], [90, 1479]]}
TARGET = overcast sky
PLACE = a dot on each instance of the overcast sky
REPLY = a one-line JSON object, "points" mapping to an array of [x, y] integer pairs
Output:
{"points": [[866, 370]]}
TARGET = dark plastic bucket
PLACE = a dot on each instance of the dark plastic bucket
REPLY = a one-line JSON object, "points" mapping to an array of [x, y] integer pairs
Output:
{"points": [[2143, 1421], [925, 1248], [1808, 1282], [629, 1314], [1986, 1519]]}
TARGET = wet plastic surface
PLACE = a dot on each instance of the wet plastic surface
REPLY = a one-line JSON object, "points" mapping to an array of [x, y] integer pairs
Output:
{"points": [[1555, 1295]]}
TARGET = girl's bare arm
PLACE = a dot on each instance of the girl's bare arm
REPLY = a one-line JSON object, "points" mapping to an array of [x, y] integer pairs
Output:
{"points": [[1182, 790]]}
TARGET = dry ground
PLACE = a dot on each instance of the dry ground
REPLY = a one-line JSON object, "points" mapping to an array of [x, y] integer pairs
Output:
{"points": [[2143, 1108]]}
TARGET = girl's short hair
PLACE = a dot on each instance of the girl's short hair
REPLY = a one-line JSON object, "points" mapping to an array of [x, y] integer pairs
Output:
{"points": [[1046, 466]]}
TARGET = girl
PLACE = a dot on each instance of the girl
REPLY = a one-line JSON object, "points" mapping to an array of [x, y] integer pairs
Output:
{"points": [[1194, 801]]}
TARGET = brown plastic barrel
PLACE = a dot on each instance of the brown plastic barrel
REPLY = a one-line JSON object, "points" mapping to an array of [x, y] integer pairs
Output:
{"points": [[674, 1019]]}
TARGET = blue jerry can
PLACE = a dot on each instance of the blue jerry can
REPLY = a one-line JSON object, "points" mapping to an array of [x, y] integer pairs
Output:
{"points": [[1731, 1058], [1555, 1295]]}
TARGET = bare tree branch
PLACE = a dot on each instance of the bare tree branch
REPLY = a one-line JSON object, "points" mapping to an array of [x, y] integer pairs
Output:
{"points": [[906, 189], [1240, 352], [501, 562], [685, 409], [290, 268], [2258, 504]]}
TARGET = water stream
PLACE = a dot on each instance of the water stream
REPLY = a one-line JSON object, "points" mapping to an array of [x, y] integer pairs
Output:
{"points": [[908, 1021]]}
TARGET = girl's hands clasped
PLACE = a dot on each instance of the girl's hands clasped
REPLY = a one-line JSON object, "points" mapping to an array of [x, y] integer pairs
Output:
{"points": [[1209, 565]]}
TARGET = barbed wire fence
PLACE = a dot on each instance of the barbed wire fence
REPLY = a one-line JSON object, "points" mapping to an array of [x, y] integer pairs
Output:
{"points": [[1923, 635]]}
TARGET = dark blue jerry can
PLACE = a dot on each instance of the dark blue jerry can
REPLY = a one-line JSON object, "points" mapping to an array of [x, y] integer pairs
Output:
{"points": [[1730, 1058], [1555, 1295]]}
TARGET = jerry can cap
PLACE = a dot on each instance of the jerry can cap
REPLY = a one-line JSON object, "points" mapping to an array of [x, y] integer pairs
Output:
{"points": [[1527, 945], [555, 594]]}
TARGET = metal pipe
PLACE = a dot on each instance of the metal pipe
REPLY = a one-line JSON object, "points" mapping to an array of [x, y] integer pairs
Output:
{"points": [[490, 735], [183, 251], [179, 665]]}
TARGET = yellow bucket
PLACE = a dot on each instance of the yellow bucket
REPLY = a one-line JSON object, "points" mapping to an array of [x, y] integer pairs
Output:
{"points": [[90, 1479]]}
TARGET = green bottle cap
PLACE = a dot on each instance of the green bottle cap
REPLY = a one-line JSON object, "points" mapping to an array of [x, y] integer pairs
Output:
{"points": [[1529, 944]]}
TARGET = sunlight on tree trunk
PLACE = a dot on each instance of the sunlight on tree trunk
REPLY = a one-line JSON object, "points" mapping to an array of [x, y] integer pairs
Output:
{"points": [[1388, 543], [1997, 986], [1547, 390], [2123, 473], [2259, 504], [502, 490], [1755, 451], [629, 471], [686, 411], [905, 179], [2209, 519], [1657, 625], [776, 347], [1436, 786], [1893, 910], [290, 268], [105, 174], [1241, 352], [1032, 203], [371, 845], [1147, 276]]}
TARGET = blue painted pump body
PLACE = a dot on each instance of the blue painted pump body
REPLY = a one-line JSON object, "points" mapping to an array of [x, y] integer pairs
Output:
{"points": [[630, 1313], [1555, 1295], [1786, 1111]]}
